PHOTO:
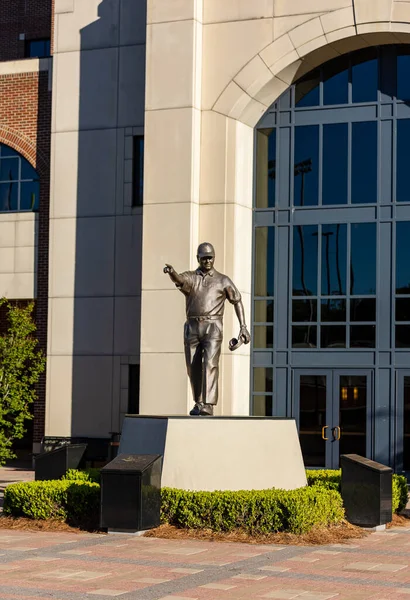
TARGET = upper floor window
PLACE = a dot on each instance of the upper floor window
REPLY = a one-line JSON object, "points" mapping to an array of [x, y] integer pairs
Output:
{"points": [[19, 182], [138, 170], [38, 48]]}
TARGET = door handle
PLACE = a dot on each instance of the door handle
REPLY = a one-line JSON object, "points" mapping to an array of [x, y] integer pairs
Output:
{"points": [[338, 433], [323, 432]]}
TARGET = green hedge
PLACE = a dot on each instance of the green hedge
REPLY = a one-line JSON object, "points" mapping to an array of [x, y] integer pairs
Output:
{"points": [[76, 502], [257, 512], [331, 479], [92, 475]]}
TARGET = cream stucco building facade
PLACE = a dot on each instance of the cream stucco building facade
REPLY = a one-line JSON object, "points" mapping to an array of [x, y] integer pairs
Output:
{"points": [[194, 77]]}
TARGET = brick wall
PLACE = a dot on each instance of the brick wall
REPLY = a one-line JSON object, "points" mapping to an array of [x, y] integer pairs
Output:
{"points": [[31, 17]]}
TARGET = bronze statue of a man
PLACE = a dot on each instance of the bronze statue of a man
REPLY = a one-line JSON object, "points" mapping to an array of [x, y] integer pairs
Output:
{"points": [[205, 291]]}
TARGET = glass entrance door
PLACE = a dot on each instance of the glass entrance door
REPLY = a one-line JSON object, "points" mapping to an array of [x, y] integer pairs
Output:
{"points": [[403, 422], [332, 409]]}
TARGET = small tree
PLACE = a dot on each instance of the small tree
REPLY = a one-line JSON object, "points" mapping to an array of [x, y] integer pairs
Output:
{"points": [[21, 364]]}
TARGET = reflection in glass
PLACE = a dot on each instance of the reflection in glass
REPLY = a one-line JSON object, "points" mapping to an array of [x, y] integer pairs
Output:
{"points": [[8, 196], [262, 379], [305, 260], [406, 423], [403, 160], [363, 336], [402, 336], [365, 81], [403, 80], [363, 259], [307, 90], [312, 417], [402, 309], [306, 173], [334, 254], [364, 162], [335, 164], [335, 86], [402, 257], [265, 168], [333, 336], [262, 406], [333, 311], [304, 310], [9, 169], [353, 417], [263, 336], [363, 309], [27, 171], [304, 337], [263, 311], [264, 261], [7, 151], [29, 195]]}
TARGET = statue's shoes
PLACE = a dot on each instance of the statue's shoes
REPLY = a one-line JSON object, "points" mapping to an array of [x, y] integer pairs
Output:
{"points": [[206, 410], [196, 411]]}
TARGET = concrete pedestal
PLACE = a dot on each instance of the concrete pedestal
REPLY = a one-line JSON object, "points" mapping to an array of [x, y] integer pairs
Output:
{"points": [[219, 453]]}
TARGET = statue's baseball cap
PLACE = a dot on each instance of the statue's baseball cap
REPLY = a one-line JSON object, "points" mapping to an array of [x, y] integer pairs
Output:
{"points": [[205, 249]]}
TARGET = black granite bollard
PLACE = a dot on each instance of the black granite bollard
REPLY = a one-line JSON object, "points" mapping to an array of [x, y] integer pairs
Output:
{"points": [[366, 491], [131, 492], [55, 464]]}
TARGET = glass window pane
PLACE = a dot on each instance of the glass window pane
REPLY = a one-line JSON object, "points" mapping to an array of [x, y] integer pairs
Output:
{"points": [[306, 173], [27, 171], [403, 79], [264, 310], [29, 195], [363, 336], [353, 414], [363, 259], [333, 311], [363, 309], [305, 260], [335, 86], [333, 336], [304, 337], [403, 160], [364, 162], [402, 257], [264, 261], [9, 169], [312, 417], [334, 260], [307, 90], [262, 379], [402, 336], [138, 171], [262, 406], [7, 151], [263, 336], [304, 310], [8, 196], [406, 423], [265, 168], [335, 164], [365, 81], [403, 309]]}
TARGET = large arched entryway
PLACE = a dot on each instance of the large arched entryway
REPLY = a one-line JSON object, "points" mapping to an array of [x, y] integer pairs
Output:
{"points": [[331, 290]]}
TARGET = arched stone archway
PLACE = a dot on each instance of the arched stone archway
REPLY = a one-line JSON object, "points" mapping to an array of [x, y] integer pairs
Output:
{"points": [[25, 147]]}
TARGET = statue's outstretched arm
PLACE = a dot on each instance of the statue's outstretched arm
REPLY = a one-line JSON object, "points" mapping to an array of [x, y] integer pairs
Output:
{"points": [[173, 275]]}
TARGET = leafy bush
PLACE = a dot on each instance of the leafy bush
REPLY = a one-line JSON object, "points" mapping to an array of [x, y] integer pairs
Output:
{"points": [[76, 502], [257, 512], [92, 475], [331, 480]]}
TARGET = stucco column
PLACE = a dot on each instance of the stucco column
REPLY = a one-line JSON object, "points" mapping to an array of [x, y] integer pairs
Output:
{"points": [[171, 196]]}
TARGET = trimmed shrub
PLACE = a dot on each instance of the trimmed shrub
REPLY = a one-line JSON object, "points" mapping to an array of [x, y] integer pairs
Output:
{"points": [[76, 502], [331, 480], [92, 475], [257, 512]]}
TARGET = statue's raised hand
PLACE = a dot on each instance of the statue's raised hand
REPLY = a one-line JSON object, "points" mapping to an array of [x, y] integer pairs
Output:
{"points": [[168, 269]]}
